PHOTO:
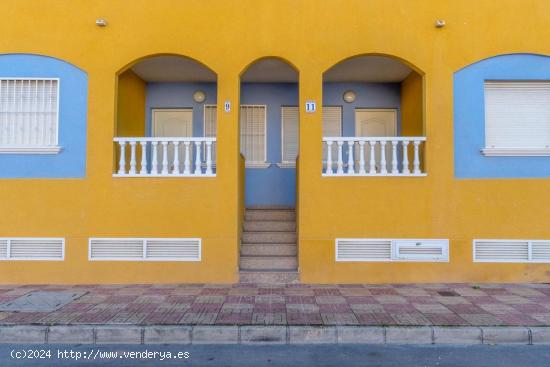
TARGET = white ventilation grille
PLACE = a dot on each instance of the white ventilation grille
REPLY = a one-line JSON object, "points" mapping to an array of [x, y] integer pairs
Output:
{"points": [[540, 251], [145, 249], [363, 250], [436, 250], [161, 249], [374, 249], [116, 249], [513, 251], [3, 249], [32, 248]]}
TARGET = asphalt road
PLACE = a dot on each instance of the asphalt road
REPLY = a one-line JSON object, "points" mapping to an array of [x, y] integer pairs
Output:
{"points": [[254, 356]]}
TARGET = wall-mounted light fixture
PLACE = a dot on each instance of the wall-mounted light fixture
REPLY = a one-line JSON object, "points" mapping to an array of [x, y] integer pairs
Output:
{"points": [[440, 23], [349, 96], [199, 96], [100, 22]]}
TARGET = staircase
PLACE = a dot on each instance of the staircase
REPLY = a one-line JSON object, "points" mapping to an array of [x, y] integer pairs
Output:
{"points": [[268, 246]]}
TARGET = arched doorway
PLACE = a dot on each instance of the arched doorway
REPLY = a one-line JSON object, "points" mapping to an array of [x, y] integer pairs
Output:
{"points": [[269, 125], [166, 118], [372, 116]]}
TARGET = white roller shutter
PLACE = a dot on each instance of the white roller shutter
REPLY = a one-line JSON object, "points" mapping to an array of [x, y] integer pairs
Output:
{"points": [[517, 116], [332, 126], [253, 134], [290, 133]]}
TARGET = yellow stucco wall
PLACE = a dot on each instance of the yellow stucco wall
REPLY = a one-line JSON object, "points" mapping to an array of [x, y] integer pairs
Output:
{"points": [[130, 105], [313, 36], [412, 104]]}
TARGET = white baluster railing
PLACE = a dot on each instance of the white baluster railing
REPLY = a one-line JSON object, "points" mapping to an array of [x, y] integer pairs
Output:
{"points": [[374, 156], [165, 157]]}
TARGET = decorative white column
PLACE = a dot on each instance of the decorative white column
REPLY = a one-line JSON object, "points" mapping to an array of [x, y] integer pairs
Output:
{"points": [[340, 169], [362, 157], [154, 159], [143, 170], [372, 160], [132, 157], [198, 168], [383, 164], [164, 157], [394, 157], [406, 169], [187, 162], [122, 159], [208, 157], [416, 162], [176, 170], [329, 158], [351, 163]]}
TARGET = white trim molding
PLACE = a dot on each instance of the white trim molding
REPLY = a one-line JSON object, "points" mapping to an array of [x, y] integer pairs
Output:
{"points": [[257, 164], [30, 149], [515, 152], [286, 165]]}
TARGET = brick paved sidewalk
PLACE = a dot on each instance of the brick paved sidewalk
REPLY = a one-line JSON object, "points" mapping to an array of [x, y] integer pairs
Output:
{"points": [[244, 304]]}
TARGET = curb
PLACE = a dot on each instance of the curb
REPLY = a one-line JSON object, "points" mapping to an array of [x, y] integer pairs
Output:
{"points": [[248, 334]]}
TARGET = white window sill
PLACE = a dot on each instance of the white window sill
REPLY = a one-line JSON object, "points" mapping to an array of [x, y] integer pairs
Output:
{"points": [[286, 165], [257, 164], [515, 152], [49, 149]]}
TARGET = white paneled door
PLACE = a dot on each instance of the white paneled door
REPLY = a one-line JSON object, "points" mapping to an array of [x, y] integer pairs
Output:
{"points": [[376, 123], [171, 122]]}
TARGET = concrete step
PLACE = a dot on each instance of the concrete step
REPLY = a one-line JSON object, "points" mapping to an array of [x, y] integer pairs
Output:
{"points": [[270, 226], [269, 237], [277, 249], [269, 277], [270, 214], [268, 263]]}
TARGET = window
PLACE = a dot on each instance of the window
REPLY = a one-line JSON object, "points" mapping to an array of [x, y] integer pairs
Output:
{"points": [[253, 135], [332, 126], [517, 118], [290, 116], [29, 115], [210, 126]]}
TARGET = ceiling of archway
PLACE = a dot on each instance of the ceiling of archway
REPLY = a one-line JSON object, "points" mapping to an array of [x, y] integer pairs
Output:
{"points": [[374, 69], [172, 69], [270, 70]]}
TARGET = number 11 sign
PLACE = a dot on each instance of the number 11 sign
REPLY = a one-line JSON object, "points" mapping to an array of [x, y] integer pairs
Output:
{"points": [[311, 106]]}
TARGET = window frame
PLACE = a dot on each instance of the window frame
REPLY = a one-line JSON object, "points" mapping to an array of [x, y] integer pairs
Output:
{"points": [[31, 148]]}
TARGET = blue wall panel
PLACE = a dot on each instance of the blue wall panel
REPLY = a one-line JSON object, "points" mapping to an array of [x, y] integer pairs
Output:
{"points": [[469, 117], [73, 92]]}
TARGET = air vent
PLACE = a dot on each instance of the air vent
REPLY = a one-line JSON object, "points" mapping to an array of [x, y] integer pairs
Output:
{"points": [[3, 249], [514, 251], [145, 249], [116, 249], [32, 248], [363, 250], [501, 251], [429, 250], [372, 249], [540, 251]]}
